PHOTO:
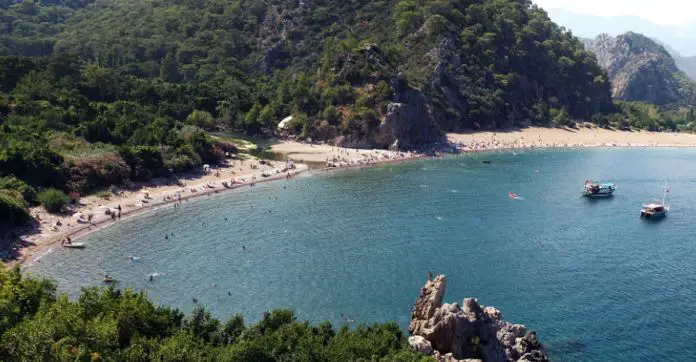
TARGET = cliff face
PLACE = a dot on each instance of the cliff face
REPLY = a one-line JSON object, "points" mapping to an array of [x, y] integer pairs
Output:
{"points": [[640, 69], [469, 332]]}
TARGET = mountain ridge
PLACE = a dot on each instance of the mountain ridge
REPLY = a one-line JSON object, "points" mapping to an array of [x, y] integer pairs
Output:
{"points": [[641, 69]]}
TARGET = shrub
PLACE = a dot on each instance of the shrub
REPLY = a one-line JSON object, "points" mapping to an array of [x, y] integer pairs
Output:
{"points": [[96, 172], [13, 210], [53, 200], [13, 183], [104, 194]]}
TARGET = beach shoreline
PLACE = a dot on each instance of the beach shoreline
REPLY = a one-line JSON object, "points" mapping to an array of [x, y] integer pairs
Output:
{"points": [[345, 159], [43, 239]]}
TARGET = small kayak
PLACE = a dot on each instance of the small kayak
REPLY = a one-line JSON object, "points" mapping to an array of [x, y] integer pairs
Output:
{"points": [[74, 246]]}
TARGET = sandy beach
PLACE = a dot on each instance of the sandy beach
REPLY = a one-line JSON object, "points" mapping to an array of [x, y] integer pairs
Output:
{"points": [[52, 229], [586, 135]]}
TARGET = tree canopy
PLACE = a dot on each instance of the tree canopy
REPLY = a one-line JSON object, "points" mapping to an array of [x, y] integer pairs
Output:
{"points": [[38, 324]]}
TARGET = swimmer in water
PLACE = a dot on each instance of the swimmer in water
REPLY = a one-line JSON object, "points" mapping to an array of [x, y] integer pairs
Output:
{"points": [[194, 300], [151, 277]]}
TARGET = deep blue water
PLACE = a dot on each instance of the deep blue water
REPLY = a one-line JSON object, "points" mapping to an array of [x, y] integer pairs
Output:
{"points": [[595, 281]]}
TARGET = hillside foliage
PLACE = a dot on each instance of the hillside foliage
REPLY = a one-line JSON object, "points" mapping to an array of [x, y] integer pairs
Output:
{"points": [[38, 324], [97, 93]]}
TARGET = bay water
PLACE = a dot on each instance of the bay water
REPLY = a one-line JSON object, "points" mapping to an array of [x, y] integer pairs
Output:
{"points": [[595, 281]]}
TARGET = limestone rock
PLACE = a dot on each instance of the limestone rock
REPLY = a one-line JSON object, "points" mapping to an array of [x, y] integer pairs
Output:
{"points": [[467, 333], [640, 69], [409, 122], [420, 344], [449, 358], [429, 301]]}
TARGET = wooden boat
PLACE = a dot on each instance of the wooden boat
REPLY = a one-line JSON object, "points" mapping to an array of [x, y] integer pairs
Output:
{"points": [[656, 210], [598, 189], [108, 279], [74, 246]]}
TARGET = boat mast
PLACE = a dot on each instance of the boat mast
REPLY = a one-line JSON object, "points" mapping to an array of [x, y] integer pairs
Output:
{"points": [[664, 194]]}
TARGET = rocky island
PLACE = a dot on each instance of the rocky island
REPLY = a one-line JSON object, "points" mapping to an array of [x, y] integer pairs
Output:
{"points": [[470, 332]]}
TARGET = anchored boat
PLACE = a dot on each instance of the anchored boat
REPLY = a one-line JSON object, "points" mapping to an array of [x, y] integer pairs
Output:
{"points": [[656, 210], [598, 189]]}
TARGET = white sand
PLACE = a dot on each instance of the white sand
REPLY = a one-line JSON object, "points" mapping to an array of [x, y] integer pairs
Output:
{"points": [[568, 137]]}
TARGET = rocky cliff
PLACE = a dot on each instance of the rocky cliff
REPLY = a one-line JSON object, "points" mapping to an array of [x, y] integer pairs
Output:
{"points": [[469, 332], [640, 69]]}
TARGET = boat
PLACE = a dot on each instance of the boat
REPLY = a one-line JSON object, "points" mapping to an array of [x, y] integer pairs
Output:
{"points": [[598, 189], [108, 279], [74, 245], [656, 210]]}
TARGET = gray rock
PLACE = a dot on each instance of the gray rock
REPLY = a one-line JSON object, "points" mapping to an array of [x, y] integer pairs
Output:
{"points": [[420, 344], [639, 68], [409, 122], [468, 332]]}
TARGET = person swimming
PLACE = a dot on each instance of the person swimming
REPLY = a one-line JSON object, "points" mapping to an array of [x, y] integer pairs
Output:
{"points": [[151, 277]]}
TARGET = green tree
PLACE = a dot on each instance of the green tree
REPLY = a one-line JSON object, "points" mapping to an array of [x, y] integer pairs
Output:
{"points": [[201, 119]]}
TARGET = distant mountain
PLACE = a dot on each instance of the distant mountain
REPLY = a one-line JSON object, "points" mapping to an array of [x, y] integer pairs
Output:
{"points": [[680, 38], [685, 64], [640, 69]]}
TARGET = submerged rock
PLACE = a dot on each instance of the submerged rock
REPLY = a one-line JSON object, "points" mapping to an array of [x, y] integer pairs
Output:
{"points": [[467, 333]]}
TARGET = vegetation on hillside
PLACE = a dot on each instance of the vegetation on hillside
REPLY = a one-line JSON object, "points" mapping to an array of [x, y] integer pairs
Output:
{"points": [[38, 324], [94, 94]]}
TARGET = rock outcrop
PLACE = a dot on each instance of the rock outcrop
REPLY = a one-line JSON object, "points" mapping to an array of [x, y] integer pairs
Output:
{"points": [[408, 123], [469, 332], [640, 69]]}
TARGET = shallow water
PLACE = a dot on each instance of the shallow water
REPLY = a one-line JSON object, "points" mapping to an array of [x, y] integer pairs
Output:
{"points": [[595, 281]]}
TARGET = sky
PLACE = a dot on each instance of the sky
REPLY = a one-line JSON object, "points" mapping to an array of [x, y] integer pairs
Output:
{"points": [[662, 12]]}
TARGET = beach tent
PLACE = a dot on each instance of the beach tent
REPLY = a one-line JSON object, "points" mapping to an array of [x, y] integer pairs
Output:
{"points": [[284, 123]]}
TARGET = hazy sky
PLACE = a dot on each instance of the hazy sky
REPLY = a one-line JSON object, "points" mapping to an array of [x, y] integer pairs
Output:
{"points": [[663, 12]]}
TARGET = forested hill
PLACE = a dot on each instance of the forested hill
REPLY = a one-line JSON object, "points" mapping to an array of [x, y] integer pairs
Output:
{"points": [[493, 63], [94, 93]]}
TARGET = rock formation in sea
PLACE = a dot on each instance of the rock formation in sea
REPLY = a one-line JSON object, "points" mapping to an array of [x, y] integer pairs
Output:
{"points": [[470, 332]]}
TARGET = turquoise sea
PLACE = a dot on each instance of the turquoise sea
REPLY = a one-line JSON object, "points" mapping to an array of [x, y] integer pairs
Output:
{"points": [[596, 282]]}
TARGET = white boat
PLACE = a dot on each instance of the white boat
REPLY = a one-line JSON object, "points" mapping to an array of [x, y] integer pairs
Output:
{"points": [[74, 245], [598, 189], [656, 210]]}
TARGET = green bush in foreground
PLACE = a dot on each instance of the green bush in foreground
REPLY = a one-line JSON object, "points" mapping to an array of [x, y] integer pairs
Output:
{"points": [[113, 325], [53, 200], [13, 210]]}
